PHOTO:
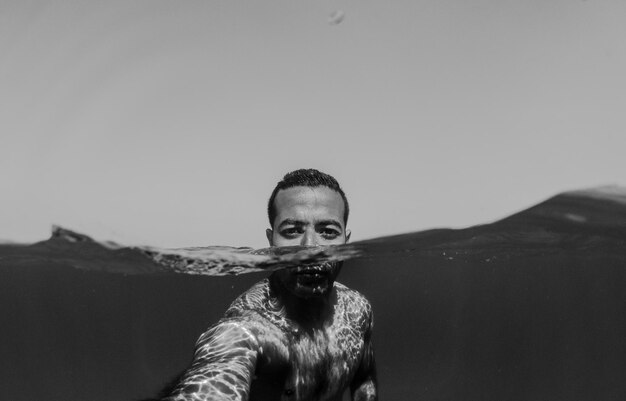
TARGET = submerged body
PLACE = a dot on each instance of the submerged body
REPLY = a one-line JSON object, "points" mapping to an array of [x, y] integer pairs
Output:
{"points": [[297, 335], [259, 351]]}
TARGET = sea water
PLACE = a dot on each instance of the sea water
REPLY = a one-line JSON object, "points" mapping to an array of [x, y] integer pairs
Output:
{"points": [[531, 307]]}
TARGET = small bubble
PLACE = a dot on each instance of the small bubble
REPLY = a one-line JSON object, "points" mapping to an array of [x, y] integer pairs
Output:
{"points": [[336, 17]]}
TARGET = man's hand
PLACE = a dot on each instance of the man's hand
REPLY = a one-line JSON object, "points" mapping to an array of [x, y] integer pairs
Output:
{"points": [[366, 391]]}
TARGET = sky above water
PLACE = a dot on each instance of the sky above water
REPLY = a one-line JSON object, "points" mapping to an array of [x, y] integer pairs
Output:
{"points": [[168, 123]]}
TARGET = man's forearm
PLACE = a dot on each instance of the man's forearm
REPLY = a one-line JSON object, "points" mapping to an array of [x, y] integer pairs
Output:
{"points": [[221, 388], [223, 366]]}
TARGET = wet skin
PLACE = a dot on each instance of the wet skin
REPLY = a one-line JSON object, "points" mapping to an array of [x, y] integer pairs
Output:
{"points": [[297, 335]]}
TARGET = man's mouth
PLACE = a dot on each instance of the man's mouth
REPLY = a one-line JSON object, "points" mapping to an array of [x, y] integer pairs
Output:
{"points": [[313, 274], [323, 270]]}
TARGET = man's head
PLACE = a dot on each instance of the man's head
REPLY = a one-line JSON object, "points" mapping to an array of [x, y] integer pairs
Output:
{"points": [[306, 178], [308, 208]]}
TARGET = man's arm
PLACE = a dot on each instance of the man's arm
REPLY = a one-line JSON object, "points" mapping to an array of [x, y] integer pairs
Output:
{"points": [[364, 386], [223, 366]]}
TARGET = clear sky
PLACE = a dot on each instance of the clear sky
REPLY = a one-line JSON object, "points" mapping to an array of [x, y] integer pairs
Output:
{"points": [[168, 123]]}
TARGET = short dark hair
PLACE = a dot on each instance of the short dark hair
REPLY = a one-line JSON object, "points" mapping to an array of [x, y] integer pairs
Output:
{"points": [[306, 178]]}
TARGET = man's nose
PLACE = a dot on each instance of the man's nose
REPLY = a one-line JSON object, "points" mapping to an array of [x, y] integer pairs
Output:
{"points": [[309, 239]]}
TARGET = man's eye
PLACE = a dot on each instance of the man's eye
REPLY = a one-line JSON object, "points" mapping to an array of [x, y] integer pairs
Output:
{"points": [[329, 233], [291, 232]]}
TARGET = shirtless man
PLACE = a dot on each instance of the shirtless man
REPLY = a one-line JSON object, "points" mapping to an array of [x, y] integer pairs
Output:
{"points": [[297, 335]]}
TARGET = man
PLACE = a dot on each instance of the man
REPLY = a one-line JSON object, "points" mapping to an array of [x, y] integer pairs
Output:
{"points": [[297, 335]]}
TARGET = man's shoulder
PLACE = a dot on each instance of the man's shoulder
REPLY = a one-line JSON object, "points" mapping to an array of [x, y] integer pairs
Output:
{"points": [[257, 308], [245, 313], [255, 298], [350, 294], [354, 304]]}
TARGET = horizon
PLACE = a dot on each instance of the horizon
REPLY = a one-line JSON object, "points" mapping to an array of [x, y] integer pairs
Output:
{"points": [[611, 193]]}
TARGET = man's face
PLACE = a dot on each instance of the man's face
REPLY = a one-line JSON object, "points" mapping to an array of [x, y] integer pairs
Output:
{"points": [[308, 216]]}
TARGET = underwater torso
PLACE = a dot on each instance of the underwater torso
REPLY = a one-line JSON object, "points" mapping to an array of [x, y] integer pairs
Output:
{"points": [[303, 363]]}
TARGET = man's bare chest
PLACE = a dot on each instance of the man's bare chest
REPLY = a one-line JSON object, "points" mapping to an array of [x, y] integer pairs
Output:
{"points": [[315, 364]]}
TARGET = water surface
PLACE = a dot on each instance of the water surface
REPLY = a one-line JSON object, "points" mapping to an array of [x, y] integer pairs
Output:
{"points": [[531, 307]]}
